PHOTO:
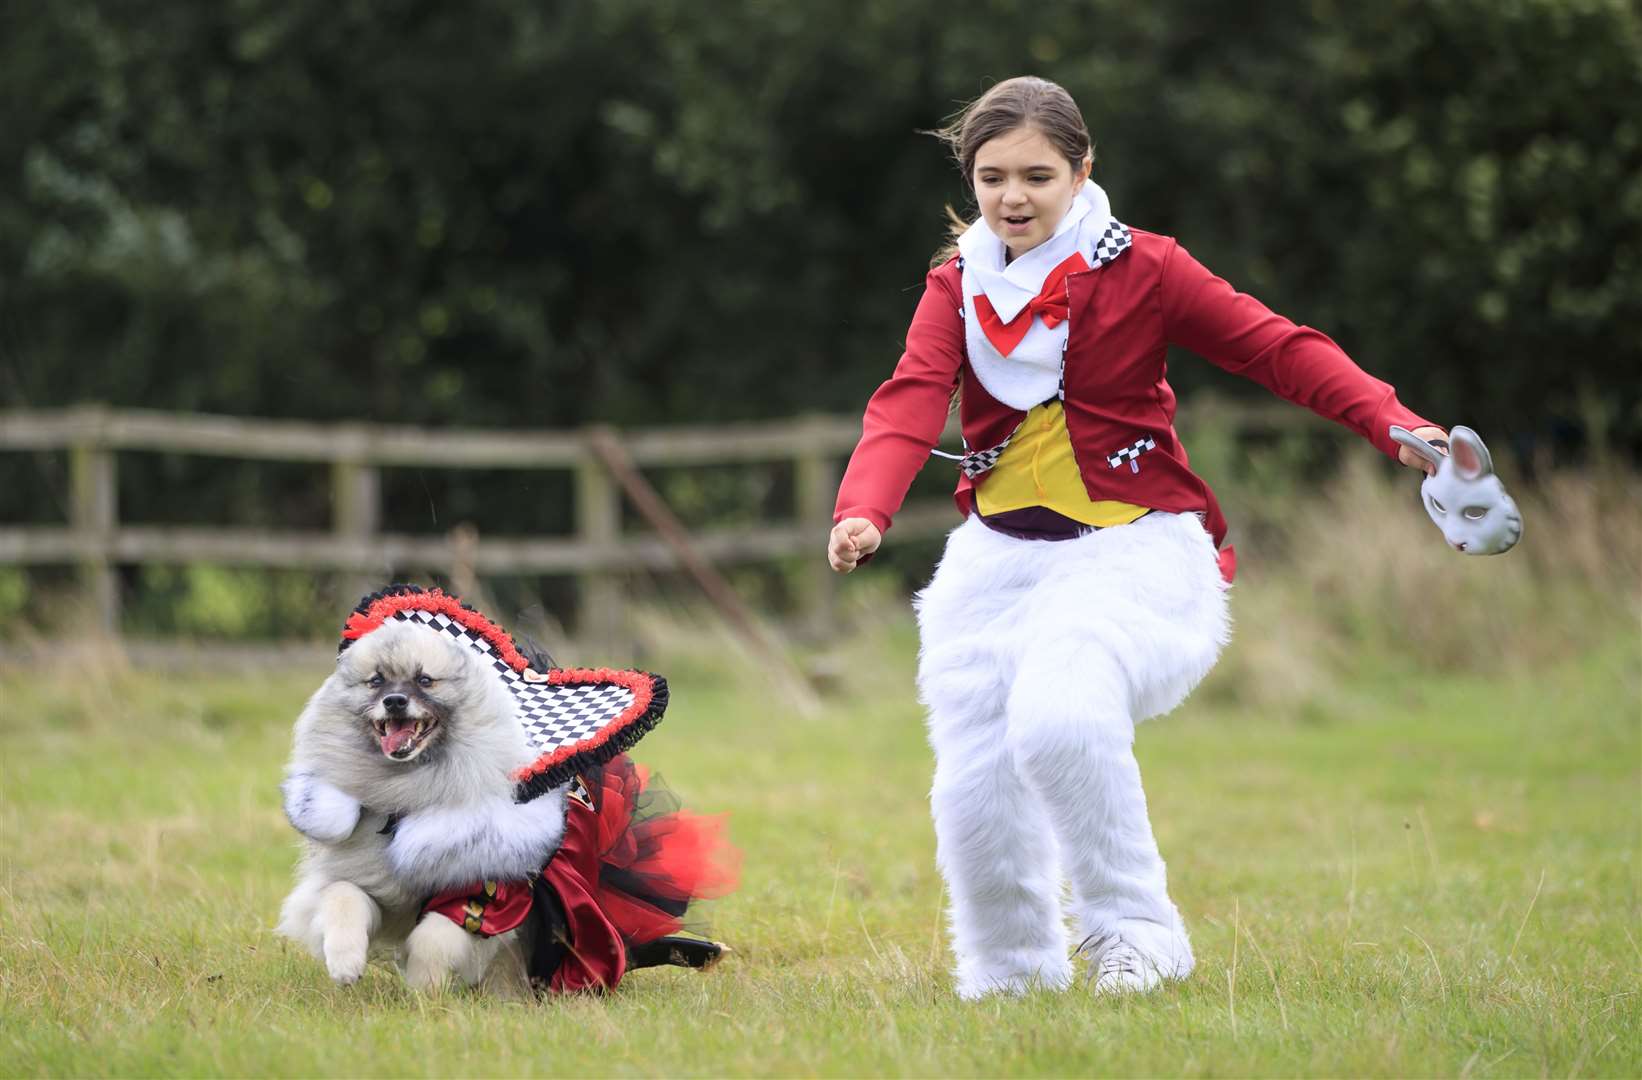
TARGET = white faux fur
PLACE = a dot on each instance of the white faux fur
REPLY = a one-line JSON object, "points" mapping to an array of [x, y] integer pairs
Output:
{"points": [[317, 809], [1037, 660], [450, 846]]}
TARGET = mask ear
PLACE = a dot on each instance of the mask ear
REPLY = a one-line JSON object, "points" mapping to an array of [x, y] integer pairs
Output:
{"points": [[1417, 444], [1471, 458]]}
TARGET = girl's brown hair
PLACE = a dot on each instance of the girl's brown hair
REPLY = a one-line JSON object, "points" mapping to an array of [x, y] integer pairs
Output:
{"points": [[1025, 101]]}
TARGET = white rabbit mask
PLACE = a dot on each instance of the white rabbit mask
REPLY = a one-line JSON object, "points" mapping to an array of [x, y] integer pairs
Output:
{"points": [[1464, 497]]}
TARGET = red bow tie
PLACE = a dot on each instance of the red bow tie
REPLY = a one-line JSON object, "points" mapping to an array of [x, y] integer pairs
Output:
{"points": [[1051, 304]]}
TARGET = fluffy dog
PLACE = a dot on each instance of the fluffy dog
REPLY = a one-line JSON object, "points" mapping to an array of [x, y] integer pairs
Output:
{"points": [[413, 722]]}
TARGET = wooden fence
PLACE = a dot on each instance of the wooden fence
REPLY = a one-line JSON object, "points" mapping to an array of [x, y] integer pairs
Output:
{"points": [[597, 554]]}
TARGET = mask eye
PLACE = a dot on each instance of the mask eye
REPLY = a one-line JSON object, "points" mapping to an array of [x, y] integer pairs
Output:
{"points": [[424, 680], [375, 681], [1441, 509], [1475, 513]]}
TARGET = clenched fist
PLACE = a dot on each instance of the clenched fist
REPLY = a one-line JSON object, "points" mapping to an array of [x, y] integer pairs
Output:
{"points": [[852, 540]]}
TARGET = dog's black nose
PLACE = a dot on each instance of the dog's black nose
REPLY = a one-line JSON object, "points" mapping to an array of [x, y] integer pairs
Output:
{"points": [[396, 703]]}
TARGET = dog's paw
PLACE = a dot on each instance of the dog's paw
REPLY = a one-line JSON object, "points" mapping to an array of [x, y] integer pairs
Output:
{"points": [[345, 958], [438, 952], [318, 809]]}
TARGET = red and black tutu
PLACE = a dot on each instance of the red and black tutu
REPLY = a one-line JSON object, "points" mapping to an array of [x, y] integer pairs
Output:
{"points": [[618, 891]]}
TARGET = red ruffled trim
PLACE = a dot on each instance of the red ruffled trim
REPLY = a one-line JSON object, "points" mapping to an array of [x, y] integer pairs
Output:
{"points": [[361, 623]]}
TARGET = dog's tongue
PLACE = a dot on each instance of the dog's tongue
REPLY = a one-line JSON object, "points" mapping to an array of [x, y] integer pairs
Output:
{"points": [[397, 736]]}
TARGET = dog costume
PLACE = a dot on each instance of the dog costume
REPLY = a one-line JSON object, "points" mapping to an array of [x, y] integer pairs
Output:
{"points": [[1085, 591], [614, 885]]}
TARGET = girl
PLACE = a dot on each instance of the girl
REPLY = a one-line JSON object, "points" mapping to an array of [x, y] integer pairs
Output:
{"points": [[1083, 593]]}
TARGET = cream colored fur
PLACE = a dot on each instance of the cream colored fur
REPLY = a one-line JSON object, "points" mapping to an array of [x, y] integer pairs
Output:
{"points": [[1037, 660], [360, 890]]}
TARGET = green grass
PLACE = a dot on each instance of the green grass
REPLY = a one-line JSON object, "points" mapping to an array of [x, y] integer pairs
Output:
{"points": [[1422, 875]]}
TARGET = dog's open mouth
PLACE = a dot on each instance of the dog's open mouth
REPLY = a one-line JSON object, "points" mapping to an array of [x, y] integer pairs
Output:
{"points": [[403, 738]]}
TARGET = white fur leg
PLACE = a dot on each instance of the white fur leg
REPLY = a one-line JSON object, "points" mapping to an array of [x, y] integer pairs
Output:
{"points": [[1074, 750], [993, 844], [299, 917], [347, 919], [1122, 630], [994, 848], [438, 951], [450, 847], [317, 809]]}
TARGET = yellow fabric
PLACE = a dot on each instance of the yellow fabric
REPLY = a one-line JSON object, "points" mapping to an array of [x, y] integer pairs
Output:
{"points": [[1038, 469]]}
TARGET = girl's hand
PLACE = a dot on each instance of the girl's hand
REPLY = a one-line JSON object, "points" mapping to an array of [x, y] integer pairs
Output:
{"points": [[1434, 435], [852, 540]]}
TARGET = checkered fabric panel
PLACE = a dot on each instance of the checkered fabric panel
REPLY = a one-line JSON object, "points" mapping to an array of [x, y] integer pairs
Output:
{"points": [[553, 716], [1112, 242], [976, 462], [471, 638], [1129, 453]]}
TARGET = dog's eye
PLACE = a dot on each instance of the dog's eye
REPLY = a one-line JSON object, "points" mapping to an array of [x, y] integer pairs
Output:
{"points": [[1441, 509], [424, 680], [1476, 513], [375, 680]]}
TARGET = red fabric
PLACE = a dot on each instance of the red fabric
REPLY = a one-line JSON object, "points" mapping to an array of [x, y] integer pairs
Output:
{"points": [[597, 955], [1123, 315], [676, 856], [610, 846], [495, 907], [1050, 305]]}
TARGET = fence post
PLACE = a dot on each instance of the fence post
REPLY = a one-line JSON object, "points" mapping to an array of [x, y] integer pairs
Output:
{"points": [[356, 507], [93, 514], [816, 476], [599, 622]]}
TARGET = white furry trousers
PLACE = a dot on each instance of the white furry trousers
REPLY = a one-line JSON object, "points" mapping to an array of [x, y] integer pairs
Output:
{"points": [[1037, 659]]}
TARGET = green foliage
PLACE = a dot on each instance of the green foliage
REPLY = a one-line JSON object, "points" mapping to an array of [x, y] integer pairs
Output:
{"points": [[629, 210], [643, 211]]}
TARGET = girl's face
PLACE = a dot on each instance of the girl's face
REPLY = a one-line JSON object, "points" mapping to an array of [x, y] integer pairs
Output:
{"points": [[1024, 186]]}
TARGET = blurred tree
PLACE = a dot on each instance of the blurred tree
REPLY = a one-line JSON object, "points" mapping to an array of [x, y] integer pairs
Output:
{"points": [[655, 210]]}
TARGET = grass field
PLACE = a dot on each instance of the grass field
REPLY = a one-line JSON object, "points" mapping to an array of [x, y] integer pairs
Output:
{"points": [[1423, 875]]}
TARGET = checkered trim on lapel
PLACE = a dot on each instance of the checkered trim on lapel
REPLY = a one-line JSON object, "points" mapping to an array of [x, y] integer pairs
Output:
{"points": [[1130, 454], [1112, 243], [573, 718]]}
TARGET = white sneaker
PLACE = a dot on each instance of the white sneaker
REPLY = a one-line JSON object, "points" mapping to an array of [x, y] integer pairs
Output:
{"points": [[1117, 967]]}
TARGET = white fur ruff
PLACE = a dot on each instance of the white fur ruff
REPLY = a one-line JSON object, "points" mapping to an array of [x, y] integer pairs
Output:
{"points": [[317, 809], [1037, 659], [448, 847]]}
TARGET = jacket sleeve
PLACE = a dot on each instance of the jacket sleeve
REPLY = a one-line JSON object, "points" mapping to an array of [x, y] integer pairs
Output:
{"points": [[1234, 331], [906, 414]]}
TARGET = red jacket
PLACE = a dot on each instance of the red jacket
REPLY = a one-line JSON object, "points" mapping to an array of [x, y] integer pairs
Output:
{"points": [[1124, 315]]}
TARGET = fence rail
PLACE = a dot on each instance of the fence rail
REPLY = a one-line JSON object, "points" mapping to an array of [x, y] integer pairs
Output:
{"points": [[597, 553]]}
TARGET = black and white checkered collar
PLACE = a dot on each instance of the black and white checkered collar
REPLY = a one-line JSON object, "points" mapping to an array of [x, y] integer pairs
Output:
{"points": [[573, 718]]}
